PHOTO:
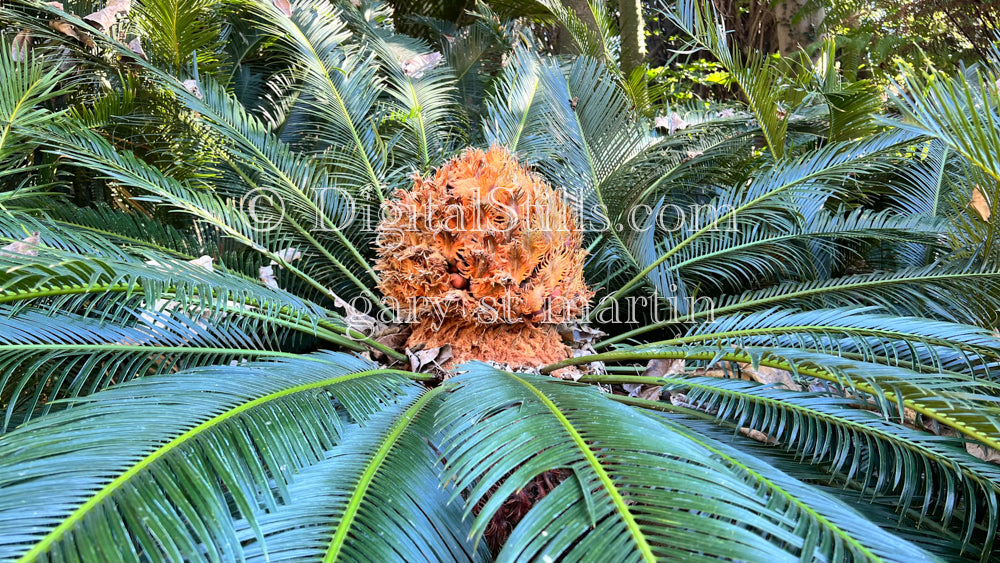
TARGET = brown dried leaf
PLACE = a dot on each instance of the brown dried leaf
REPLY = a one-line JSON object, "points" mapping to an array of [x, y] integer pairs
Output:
{"points": [[593, 368], [192, 86], [758, 435], [64, 27], [661, 368], [981, 451], [431, 358], [984, 453], [102, 19], [416, 66], [283, 6], [771, 376], [20, 47], [136, 47], [655, 368], [572, 373], [644, 391], [651, 392], [393, 337], [979, 204], [578, 335], [105, 18], [26, 247]]}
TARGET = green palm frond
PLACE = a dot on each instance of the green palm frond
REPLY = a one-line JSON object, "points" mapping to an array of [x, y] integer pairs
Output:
{"points": [[779, 193], [758, 75], [425, 107], [755, 252], [575, 127], [71, 280], [263, 226], [961, 112], [515, 112], [140, 457], [28, 83], [868, 451], [177, 33], [957, 400], [852, 111], [894, 458], [475, 53], [112, 289], [341, 86], [112, 230], [342, 513], [639, 485], [934, 290], [592, 31], [48, 357], [313, 193], [882, 509], [866, 333]]}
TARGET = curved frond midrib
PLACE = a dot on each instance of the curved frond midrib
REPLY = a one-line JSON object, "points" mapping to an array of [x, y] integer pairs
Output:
{"points": [[739, 304], [324, 330], [819, 373], [793, 499], [371, 469], [608, 484], [833, 162], [819, 329], [833, 420], [105, 492]]}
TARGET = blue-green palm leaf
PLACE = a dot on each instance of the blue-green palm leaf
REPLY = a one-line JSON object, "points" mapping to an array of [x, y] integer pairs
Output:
{"points": [[639, 486], [158, 469], [376, 497]]}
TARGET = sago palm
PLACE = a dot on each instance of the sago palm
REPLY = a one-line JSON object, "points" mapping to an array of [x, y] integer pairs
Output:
{"points": [[797, 291]]}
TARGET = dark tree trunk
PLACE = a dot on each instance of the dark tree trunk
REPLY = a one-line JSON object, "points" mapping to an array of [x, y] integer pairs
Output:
{"points": [[582, 10], [633, 35], [793, 35]]}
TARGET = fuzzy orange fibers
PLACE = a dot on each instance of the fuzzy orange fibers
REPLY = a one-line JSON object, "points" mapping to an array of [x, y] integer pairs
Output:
{"points": [[485, 256]]}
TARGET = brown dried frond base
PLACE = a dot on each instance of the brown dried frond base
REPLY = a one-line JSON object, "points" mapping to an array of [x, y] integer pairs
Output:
{"points": [[517, 345], [517, 506]]}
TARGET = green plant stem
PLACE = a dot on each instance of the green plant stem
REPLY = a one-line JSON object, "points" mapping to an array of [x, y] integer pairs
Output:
{"points": [[825, 375], [764, 301]]}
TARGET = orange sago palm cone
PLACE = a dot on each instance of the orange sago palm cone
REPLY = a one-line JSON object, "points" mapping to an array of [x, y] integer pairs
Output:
{"points": [[486, 256]]}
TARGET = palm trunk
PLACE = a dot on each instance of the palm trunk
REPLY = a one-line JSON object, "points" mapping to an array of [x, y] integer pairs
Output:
{"points": [[633, 35], [793, 35], [582, 10]]}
